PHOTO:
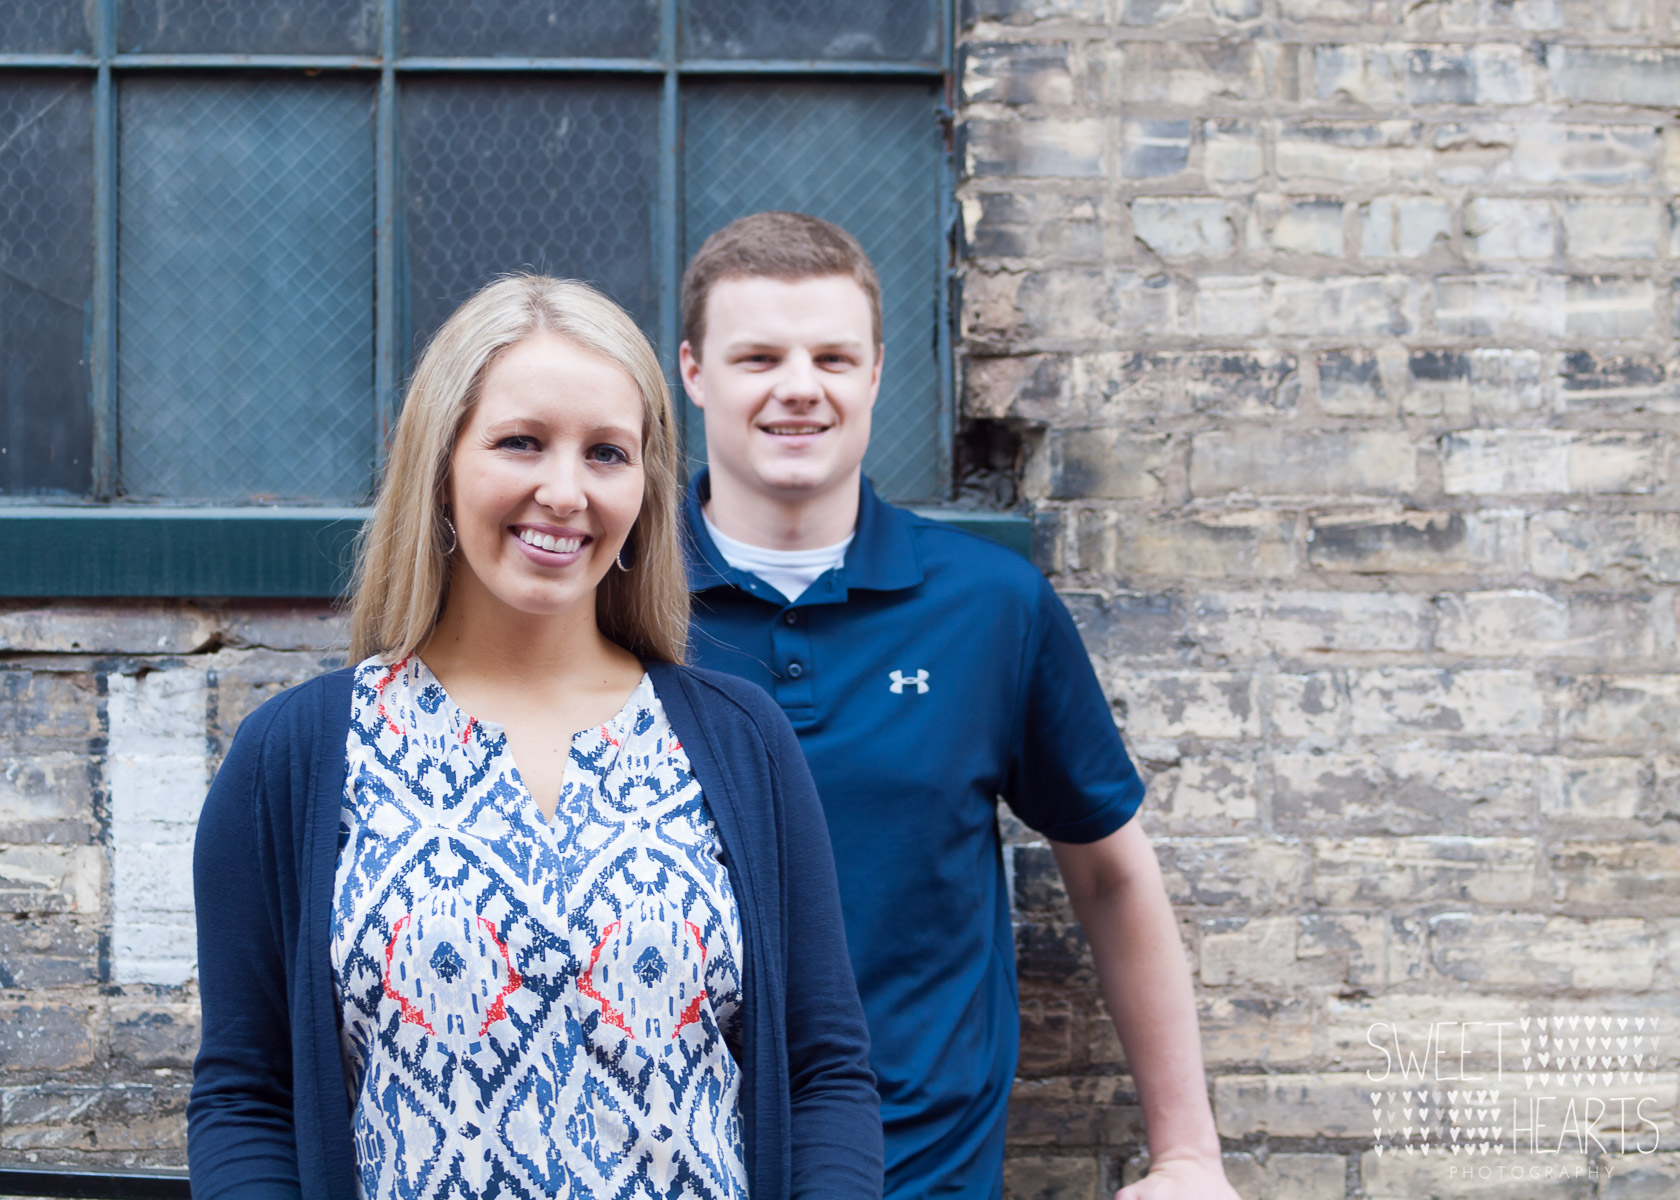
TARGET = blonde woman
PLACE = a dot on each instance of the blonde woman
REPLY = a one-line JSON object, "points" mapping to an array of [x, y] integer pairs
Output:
{"points": [[519, 906]]}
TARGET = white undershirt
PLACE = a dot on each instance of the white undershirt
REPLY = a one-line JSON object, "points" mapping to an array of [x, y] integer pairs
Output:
{"points": [[790, 572]]}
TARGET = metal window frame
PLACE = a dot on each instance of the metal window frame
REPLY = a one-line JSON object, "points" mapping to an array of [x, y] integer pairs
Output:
{"points": [[118, 549]]}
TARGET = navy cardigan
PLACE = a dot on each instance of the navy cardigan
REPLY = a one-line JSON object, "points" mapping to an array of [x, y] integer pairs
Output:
{"points": [[270, 1115]]}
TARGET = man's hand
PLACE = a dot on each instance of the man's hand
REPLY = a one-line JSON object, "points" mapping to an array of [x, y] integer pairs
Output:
{"points": [[1181, 1179]]}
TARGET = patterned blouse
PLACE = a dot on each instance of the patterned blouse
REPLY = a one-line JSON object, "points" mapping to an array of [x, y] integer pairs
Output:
{"points": [[530, 1007]]}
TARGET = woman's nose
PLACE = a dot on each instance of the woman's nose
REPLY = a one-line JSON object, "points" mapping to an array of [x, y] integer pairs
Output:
{"points": [[561, 488]]}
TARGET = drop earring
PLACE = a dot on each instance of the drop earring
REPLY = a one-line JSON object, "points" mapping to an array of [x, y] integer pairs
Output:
{"points": [[454, 539]]}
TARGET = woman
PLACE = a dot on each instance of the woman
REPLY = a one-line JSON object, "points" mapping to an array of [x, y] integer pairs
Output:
{"points": [[616, 968]]}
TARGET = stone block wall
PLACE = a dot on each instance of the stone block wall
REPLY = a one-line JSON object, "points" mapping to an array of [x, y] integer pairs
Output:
{"points": [[1336, 344]]}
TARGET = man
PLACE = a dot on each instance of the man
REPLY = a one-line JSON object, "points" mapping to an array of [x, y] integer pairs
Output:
{"points": [[927, 672]]}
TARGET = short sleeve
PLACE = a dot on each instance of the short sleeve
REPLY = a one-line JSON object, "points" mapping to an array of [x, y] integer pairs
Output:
{"points": [[1070, 777]]}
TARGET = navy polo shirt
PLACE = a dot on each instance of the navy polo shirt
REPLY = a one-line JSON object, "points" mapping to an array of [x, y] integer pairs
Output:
{"points": [[928, 675]]}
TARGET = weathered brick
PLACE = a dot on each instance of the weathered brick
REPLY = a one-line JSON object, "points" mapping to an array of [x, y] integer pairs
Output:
{"points": [[41, 708], [1397, 701], [57, 879], [1596, 227], [1205, 793], [1249, 1029], [153, 1035], [1348, 152], [1136, 625], [1530, 624], [1594, 789], [1394, 1036], [1396, 75], [1416, 1177], [1400, 226], [1274, 462], [1079, 305], [1613, 75], [1619, 383], [1027, 12], [1448, 543], [1158, 705], [1032, 1177], [46, 797], [1019, 224], [1411, 790], [1183, 226], [1503, 228], [58, 1117], [71, 627], [1151, 148], [1047, 1038], [46, 1038], [1297, 225], [1601, 306], [1500, 305], [1473, 384], [1232, 151], [1191, 73], [1351, 382], [1250, 951], [1639, 709], [1234, 545], [1285, 1176], [1074, 1112], [1363, 871], [1370, 950], [1583, 545], [1017, 73], [1474, 16], [1545, 152], [1071, 149], [1310, 706], [1105, 463], [1361, 12], [1231, 306], [1232, 872], [1529, 950], [1293, 623], [1482, 462], [1308, 1105], [1654, 1176], [39, 951], [310, 626], [1633, 876]]}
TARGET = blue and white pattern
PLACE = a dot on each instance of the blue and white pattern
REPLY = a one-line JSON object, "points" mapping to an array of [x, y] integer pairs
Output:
{"points": [[528, 1007]]}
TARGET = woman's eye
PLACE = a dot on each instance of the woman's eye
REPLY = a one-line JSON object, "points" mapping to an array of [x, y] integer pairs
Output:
{"points": [[608, 454], [517, 442]]}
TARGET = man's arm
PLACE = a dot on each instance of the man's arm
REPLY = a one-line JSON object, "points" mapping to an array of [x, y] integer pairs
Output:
{"points": [[1115, 886]]}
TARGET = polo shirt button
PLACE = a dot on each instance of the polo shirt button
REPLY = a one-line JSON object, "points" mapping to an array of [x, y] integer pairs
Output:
{"points": [[791, 616], [794, 670]]}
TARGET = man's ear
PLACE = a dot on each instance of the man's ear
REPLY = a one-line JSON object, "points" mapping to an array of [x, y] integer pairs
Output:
{"points": [[688, 366], [875, 375]]}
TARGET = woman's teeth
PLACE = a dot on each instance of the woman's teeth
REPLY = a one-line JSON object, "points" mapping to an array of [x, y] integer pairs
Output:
{"points": [[544, 541]]}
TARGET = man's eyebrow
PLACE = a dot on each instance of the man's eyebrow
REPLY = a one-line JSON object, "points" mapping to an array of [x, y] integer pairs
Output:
{"points": [[758, 343]]}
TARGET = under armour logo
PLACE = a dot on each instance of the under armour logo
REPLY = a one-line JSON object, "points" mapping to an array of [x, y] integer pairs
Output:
{"points": [[900, 681]]}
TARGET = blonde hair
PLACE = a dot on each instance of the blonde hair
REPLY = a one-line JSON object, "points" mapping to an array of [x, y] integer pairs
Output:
{"points": [[403, 556]]}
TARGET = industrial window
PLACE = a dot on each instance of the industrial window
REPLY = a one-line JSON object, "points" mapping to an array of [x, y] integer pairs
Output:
{"points": [[228, 226]]}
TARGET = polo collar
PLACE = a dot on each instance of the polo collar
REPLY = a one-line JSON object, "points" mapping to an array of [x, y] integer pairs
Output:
{"points": [[882, 557]]}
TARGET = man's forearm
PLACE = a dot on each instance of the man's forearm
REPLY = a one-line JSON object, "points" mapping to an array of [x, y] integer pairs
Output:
{"points": [[1117, 893]]}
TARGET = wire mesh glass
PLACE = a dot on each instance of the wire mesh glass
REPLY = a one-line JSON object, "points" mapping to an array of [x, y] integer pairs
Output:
{"points": [[45, 27], [798, 29], [249, 26], [552, 175], [245, 288], [535, 28], [46, 282], [866, 157]]}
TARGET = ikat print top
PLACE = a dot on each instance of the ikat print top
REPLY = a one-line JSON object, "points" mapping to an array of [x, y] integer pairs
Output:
{"points": [[529, 1007]]}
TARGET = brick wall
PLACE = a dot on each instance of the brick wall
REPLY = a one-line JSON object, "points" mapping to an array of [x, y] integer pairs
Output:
{"points": [[1337, 339], [1331, 345]]}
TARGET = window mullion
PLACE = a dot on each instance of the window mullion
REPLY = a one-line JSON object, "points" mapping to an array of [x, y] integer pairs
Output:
{"points": [[669, 249], [103, 348], [385, 241]]}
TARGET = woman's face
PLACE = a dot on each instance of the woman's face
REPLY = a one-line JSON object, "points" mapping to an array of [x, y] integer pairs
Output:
{"points": [[546, 478]]}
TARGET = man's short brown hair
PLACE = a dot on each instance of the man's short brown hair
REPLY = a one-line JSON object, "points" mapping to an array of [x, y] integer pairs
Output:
{"points": [[778, 245]]}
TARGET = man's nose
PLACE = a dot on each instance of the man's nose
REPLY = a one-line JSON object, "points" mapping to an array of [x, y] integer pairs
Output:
{"points": [[799, 379]]}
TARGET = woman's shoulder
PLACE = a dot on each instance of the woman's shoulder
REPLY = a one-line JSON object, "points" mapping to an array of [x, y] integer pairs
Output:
{"points": [[719, 696], [303, 710]]}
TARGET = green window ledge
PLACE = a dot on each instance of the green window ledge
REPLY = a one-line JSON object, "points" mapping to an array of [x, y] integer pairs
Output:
{"points": [[298, 553]]}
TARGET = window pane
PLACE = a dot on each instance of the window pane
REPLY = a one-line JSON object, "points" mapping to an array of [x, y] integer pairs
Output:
{"points": [[248, 27], [537, 28], [554, 175], [866, 157], [45, 27], [245, 289], [862, 29], [46, 282]]}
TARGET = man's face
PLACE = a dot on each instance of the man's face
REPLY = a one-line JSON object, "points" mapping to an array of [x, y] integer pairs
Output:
{"points": [[786, 377]]}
